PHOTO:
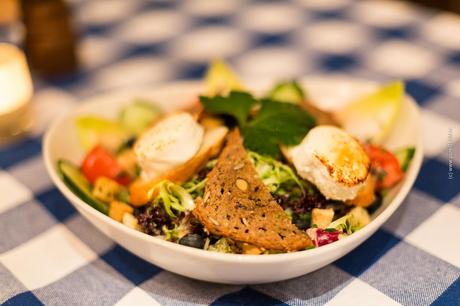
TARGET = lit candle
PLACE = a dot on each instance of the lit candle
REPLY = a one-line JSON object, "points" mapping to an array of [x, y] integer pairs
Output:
{"points": [[15, 92]]}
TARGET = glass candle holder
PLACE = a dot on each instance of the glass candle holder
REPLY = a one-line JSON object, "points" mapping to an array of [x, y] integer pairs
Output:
{"points": [[15, 93]]}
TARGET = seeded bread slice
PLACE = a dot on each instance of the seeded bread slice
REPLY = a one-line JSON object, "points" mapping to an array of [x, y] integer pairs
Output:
{"points": [[236, 204]]}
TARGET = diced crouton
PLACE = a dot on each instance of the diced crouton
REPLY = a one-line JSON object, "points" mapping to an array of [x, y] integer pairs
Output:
{"points": [[250, 249], [322, 217], [130, 220], [118, 209], [105, 189], [359, 217]]}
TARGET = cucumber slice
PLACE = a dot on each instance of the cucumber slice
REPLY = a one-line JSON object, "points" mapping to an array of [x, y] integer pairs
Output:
{"points": [[93, 130], [289, 92], [137, 116], [404, 157], [75, 180], [220, 79]]}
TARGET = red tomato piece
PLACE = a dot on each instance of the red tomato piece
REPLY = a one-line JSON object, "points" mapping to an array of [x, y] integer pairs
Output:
{"points": [[100, 162], [385, 165]]}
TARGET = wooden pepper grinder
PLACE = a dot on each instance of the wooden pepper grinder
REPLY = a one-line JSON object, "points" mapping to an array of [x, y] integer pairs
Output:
{"points": [[11, 28], [50, 39]]}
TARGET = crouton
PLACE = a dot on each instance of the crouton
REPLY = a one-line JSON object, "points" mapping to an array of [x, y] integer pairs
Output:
{"points": [[105, 189], [322, 217], [118, 209]]}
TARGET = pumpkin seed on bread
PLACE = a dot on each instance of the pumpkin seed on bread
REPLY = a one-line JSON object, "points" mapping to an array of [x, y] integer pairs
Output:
{"points": [[236, 204]]}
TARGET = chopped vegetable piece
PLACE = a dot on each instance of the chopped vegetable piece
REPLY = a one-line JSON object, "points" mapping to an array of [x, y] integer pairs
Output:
{"points": [[385, 166], [105, 189], [356, 218], [137, 116], [100, 162], [288, 92], [223, 245], [322, 237], [359, 218], [77, 182], [220, 79], [373, 116], [404, 157], [343, 224], [118, 209], [123, 195], [107, 133]]}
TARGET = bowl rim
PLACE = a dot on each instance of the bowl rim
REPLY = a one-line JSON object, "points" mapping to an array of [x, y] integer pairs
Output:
{"points": [[358, 236]]}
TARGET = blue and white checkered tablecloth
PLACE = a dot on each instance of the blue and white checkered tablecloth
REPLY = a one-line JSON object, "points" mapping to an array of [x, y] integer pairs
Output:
{"points": [[50, 255]]}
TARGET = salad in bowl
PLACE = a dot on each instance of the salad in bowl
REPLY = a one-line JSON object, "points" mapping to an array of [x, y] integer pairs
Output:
{"points": [[242, 172]]}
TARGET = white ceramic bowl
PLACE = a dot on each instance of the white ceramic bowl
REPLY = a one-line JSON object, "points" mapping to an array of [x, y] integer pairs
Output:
{"points": [[61, 142]]}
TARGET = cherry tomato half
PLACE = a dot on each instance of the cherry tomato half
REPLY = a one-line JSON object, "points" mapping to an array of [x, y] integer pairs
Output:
{"points": [[385, 165], [100, 162]]}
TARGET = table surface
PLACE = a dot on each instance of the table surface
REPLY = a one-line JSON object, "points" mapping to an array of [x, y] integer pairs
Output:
{"points": [[50, 255]]}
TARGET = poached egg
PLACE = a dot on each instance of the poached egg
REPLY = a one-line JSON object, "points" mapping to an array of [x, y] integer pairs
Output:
{"points": [[171, 142], [333, 161]]}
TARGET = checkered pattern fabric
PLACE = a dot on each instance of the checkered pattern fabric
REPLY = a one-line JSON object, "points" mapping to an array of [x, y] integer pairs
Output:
{"points": [[50, 255]]}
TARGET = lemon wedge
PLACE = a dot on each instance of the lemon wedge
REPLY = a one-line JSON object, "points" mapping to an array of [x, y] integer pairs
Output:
{"points": [[372, 117], [220, 79]]}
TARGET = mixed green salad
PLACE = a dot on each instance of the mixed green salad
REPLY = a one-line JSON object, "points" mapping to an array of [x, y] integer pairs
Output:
{"points": [[146, 169]]}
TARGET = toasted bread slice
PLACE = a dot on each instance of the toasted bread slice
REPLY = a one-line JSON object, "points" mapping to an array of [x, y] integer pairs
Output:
{"points": [[236, 204], [212, 143]]}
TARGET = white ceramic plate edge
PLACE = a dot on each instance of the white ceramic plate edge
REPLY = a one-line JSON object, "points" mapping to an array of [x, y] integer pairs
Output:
{"points": [[353, 240]]}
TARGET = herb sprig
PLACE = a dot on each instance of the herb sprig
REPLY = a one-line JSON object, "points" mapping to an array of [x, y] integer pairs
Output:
{"points": [[274, 124]]}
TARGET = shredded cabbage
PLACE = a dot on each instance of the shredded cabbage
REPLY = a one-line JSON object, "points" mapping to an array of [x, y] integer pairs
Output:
{"points": [[172, 197], [195, 187], [223, 245], [273, 173], [343, 224]]}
